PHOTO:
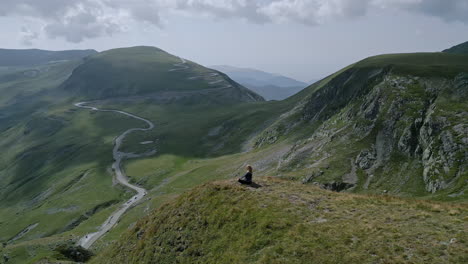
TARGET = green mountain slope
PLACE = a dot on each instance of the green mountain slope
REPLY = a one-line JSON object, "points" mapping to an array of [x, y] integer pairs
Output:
{"points": [[153, 73], [56, 181], [34, 57], [51, 172], [286, 222], [458, 49], [393, 124]]}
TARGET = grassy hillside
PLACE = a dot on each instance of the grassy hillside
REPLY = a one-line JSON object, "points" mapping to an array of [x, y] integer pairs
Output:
{"points": [[287, 222], [419, 64], [56, 182], [391, 124], [34, 57], [200, 131], [53, 176], [153, 73], [362, 124], [331, 133], [458, 49]]}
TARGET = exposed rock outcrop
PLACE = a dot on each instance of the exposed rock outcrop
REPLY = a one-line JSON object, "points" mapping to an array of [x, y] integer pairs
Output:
{"points": [[381, 120]]}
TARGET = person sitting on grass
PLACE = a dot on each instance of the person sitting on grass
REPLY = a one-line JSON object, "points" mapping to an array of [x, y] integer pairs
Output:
{"points": [[247, 178]]}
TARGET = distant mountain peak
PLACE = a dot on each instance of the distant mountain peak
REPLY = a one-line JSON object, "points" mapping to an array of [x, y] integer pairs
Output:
{"points": [[271, 86], [152, 72], [259, 75], [458, 49]]}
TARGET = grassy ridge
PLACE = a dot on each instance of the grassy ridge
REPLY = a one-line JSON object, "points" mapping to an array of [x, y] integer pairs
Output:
{"points": [[420, 64], [285, 222], [33, 57], [143, 71]]}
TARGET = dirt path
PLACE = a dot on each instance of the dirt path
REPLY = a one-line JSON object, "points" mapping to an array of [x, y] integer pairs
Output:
{"points": [[89, 239]]}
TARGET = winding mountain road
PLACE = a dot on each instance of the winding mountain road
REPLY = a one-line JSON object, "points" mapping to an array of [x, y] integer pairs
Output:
{"points": [[213, 78], [89, 239]]}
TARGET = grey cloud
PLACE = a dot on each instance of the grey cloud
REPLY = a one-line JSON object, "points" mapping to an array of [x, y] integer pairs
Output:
{"points": [[315, 12], [51, 9], [78, 20], [139, 10], [72, 20], [146, 14], [81, 26], [28, 36], [449, 10], [250, 10]]}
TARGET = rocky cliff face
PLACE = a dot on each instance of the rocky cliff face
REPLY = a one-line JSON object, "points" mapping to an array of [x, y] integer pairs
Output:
{"points": [[378, 130]]}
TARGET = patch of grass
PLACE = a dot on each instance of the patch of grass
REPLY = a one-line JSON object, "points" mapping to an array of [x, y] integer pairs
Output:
{"points": [[286, 222], [199, 130], [151, 173]]}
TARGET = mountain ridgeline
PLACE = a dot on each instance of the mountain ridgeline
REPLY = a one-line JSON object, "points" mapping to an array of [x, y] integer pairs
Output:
{"points": [[153, 73], [34, 57], [458, 49], [270, 86]]}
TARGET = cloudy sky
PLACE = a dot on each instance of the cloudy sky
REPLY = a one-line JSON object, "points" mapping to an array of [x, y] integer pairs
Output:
{"points": [[304, 39]]}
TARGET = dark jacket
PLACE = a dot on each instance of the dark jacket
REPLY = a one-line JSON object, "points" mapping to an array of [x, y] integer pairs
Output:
{"points": [[247, 179]]}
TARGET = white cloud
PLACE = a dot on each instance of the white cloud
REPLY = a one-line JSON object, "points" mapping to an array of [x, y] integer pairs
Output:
{"points": [[28, 36], [83, 22], [72, 20], [313, 12], [83, 19]]}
